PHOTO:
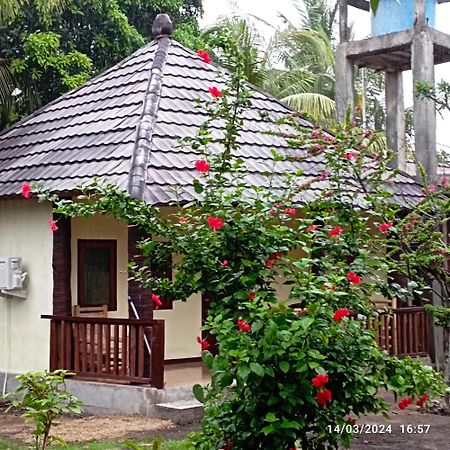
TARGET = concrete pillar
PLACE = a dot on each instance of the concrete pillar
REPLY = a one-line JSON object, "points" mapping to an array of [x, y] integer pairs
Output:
{"points": [[344, 91], [395, 118], [424, 110]]}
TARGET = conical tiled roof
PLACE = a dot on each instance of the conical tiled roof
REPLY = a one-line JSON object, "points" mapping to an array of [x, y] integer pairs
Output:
{"points": [[91, 132]]}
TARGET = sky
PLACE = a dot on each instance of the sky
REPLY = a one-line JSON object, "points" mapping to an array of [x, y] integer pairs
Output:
{"points": [[268, 11]]}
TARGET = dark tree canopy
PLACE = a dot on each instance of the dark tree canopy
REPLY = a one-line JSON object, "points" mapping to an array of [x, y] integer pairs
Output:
{"points": [[53, 46]]}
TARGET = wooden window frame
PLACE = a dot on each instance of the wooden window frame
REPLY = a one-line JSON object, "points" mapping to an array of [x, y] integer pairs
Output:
{"points": [[110, 244]]}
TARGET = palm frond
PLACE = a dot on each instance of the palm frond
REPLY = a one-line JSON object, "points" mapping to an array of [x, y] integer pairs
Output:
{"points": [[9, 9], [7, 82], [319, 106]]}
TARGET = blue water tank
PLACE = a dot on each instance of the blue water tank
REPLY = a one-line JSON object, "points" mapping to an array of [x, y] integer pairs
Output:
{"points": [[398, 15]]}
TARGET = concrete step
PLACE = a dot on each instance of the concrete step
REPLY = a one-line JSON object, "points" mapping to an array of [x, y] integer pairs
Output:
{"points": [[181, 411]]}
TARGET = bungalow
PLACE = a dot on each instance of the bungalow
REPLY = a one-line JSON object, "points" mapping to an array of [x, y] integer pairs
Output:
{"points": [[122, 127]]}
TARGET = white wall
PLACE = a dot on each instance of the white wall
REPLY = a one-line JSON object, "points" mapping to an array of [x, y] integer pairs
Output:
{"points": [[182, 326], [24, 336], [103, 227]]}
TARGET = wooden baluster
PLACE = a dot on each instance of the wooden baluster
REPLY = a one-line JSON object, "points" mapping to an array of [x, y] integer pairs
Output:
{"points": [[76, 346], [107, 348], [133, 350], [116, 349], [387, 333], [84, 354], [99, 350], [404, 334], [68, 346], [395, 334], [141, 349], [125, 343], [91, 348]]}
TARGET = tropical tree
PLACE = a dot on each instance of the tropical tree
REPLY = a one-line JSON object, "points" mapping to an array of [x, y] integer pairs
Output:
{"points": [[49, 47], [255, 52]]}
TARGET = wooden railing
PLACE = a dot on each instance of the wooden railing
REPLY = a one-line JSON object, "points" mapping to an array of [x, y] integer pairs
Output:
{"points": [[402, 331], [108, 349]]}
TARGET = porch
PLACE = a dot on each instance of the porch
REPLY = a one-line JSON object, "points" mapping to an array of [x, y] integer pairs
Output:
{"points": [[131, 351]]}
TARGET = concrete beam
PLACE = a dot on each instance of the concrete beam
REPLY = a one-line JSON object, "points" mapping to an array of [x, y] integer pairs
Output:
{"points": [[395, 118], [345, 72], [380, 44], [424, 109]]}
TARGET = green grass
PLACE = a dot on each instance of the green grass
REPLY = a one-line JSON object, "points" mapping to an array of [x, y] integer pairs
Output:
{"points": [[166, 445]]}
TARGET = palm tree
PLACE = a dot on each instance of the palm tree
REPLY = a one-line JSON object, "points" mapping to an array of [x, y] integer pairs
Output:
{"points": [[251, 44]]}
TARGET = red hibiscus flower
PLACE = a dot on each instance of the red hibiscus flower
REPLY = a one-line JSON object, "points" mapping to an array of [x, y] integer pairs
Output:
{"points": [[203, 342], [156, 300], [312, 228], [224, 263], [290, 211], [183, 219], [339, 314], [274, 256], [251, 296], [422, 400], [228, 446], [351, 420], [336, 231], [52, 225], [269, 263], [204, 55], [353, 278], [350, 155], [202, 166], [26, 190], [215, 92], [402, 404], [323, 397], [243, 325], [320, 380], [444, 181], [216, 223], [385, 226]]}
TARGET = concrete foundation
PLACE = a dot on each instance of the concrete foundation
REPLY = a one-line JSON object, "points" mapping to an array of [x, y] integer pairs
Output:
{"points": [[119, 399]]}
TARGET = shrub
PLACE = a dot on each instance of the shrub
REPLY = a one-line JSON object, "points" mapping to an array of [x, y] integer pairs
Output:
{"points": [[42, 397]]}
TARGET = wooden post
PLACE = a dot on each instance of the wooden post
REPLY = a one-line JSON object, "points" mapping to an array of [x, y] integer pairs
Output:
{"points": [[345, 96], [157, 358], [424, 109], [395, 118]]}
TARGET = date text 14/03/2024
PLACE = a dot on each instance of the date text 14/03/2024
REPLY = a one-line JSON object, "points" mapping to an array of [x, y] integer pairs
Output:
{"points": [[370, 428]]}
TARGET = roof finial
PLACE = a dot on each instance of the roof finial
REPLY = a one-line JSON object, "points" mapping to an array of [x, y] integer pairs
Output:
{"points": [[162, 26]]}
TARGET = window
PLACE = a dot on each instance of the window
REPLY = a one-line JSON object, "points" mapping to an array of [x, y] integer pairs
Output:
{"points": [[97, 273], [161, 267]]}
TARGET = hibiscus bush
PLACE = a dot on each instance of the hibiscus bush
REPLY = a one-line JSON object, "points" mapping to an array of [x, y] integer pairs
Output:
{"points": [[291, 267]]}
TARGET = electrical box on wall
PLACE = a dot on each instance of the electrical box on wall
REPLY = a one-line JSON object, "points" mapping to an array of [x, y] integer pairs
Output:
{"points": [[11, 275]]}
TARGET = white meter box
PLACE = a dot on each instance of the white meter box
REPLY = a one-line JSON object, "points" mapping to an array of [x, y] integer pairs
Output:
{"points": [[10, 273]]}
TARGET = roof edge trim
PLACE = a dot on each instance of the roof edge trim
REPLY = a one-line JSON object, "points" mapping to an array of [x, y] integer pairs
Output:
{"points": [[144, 131]]}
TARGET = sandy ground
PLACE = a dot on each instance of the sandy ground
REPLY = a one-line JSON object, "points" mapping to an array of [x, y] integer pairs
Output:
{"points": [[116, 428]]}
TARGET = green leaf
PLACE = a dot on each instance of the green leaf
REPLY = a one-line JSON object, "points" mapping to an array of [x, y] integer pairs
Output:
{"points": [[243, 370], [257, 368], [198, 188], [199, 393], [284, 366], [374, 5], [208, 359]]}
